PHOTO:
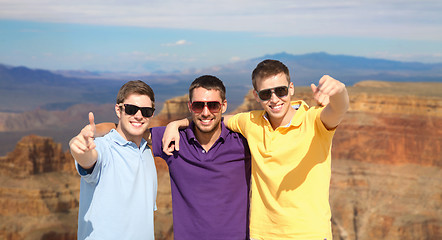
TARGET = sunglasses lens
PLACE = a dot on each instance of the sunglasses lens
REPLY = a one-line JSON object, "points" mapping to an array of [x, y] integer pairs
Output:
{"points": [[198, 106], [281, 91], [214, 107], [265, 94], [132, 110], [147, 111]]}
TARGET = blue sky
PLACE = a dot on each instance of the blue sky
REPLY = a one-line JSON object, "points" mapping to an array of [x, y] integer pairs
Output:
{"points": [[141, 36]]}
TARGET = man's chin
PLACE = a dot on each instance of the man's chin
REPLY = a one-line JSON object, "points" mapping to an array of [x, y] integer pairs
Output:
{"points": [[206, 128], [137, 131]]}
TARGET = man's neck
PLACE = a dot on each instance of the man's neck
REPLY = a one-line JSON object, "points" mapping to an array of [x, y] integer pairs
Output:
{"points": [[207, 139], [134, 139], [283, 121]]}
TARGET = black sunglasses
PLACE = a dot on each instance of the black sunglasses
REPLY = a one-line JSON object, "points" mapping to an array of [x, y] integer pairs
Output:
{"points": [[213, 106], [132, 110], [280, 92]]}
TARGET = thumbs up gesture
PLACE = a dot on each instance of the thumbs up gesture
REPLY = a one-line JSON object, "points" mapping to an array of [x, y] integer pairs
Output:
{"points": [[82, 146], [84, 141]]}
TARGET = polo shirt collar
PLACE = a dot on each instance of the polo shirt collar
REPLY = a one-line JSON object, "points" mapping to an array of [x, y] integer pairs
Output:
{"points": [[117, 138], [299, 115], [297, 119]]}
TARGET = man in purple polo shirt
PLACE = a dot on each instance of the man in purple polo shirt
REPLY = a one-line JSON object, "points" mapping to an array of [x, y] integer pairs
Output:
{"points": [[210, 174]]}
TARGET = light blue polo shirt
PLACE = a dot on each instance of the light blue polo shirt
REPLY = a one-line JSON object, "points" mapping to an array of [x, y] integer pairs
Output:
{"points": [[117, 199]]}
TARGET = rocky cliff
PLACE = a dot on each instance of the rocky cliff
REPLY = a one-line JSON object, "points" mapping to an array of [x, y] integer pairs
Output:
{"points": [[386, 170], [39, 191]]}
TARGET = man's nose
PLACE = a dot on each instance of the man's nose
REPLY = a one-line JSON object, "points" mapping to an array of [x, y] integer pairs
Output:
{"points": [[206, 110], [138, 114], [273, 97]]}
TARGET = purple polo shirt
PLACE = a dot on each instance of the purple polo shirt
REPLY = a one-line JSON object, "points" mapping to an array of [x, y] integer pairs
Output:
{"points": [[210, 190]]}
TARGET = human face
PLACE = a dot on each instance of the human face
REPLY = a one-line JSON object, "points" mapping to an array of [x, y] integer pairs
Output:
{"points": [[132, 127], [207, 121], [278, 109]]}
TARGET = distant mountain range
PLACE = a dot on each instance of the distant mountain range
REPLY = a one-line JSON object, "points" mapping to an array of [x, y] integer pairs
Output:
{"points": [[25, 89]]}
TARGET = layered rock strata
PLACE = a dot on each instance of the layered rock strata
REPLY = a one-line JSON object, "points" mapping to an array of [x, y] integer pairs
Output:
{"points": [[386, 170]]}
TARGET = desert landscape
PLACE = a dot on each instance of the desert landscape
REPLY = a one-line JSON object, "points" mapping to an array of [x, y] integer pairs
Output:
{"points": [[386, 168]]}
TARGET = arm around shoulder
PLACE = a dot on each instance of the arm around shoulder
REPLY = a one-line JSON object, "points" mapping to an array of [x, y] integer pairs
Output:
{"points": [[171, 136], [104, 128], [226, 118]]}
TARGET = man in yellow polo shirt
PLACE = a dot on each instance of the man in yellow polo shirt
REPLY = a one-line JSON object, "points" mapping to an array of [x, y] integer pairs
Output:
{"points": [[290, 144]]}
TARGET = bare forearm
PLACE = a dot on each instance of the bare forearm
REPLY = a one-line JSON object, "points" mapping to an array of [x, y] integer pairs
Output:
{"points": [[338, 105], [226, 118], [340, 102], [104, 128], [179, 124]]}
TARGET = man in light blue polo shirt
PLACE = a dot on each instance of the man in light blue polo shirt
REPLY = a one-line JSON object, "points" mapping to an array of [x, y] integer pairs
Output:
{"points": [[118, 175]]}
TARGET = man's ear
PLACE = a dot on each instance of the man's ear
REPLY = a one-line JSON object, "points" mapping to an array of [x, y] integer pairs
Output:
{"points": [[118, 111], [291, 89], [255, 94], [224, 106], [189, 106]]}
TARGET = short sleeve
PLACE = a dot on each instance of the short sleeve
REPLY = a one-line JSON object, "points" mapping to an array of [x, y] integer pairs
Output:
{"points": [[320, 125], [237, 122], [157, 137]]}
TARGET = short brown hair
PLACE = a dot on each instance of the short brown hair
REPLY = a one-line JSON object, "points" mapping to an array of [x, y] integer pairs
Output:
{"points": [[208, 82], [268, 68], [135, 87]]}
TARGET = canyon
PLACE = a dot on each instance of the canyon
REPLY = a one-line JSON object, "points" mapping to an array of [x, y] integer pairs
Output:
{"points": [[386, 170]]}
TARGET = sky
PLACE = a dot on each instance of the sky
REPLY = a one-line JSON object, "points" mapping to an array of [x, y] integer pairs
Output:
{"points": [[141, 36]]}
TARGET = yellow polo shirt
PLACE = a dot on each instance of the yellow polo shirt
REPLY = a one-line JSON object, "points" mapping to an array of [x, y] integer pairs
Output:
{"points": [[290, 174]]}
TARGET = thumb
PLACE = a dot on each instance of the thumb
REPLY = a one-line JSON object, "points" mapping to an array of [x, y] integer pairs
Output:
{"points": [[92, 121], [314, 88]]}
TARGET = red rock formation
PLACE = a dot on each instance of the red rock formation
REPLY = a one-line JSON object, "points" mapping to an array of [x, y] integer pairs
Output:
{"points": [[173, 109], [35, 155], [39, 191], [386, 170]]}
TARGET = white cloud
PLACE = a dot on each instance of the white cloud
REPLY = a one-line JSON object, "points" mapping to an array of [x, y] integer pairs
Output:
{"points": [[177, 43], [235, 59], [407, 19]]}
